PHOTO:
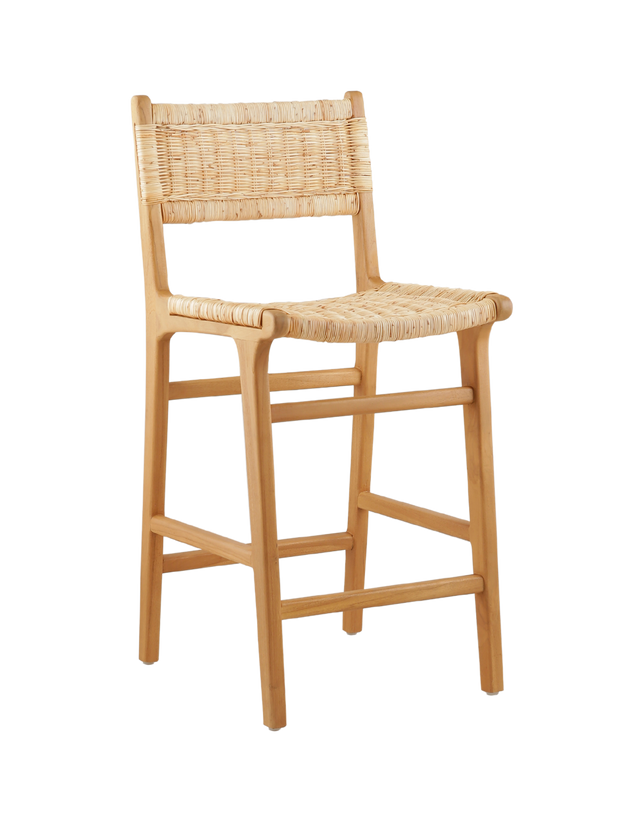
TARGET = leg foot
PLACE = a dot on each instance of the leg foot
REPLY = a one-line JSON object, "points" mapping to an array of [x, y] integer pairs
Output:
{"points": [[276, 732], [492, 694], [146, 664]]}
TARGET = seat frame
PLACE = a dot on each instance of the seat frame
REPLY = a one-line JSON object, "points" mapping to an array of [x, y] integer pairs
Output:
{"points": [[264, 551]]}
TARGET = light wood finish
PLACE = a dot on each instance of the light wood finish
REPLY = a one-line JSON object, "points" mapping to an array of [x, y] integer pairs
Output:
{"points": [[367, 277], [504, 306], [294, 547], [155, 464], [360, 318], [301, 546], [364, 227], [188, 560], [156, 416], [199, 538], [474, 358], [375, 597], [278, 382], [254, 360], [152, 236], [434, 520], [320, 379], [359, 481], [366, 405]]}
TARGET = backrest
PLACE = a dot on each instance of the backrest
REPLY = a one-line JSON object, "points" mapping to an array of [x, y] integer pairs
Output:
{"points": [[253, 161]]}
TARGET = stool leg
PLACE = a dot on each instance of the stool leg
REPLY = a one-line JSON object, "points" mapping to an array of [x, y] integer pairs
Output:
{"points": [[256, 406], [361, 457], [155, 463], [474, 359]]}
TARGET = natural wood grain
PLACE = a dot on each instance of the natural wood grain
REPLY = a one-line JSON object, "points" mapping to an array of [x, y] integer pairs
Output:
{"points": [[364, 227], [151, 229], [188, 560], [359, 481], [503, 304], [278, 382], [434, 520], [364, 405], [254, 359], [156, 415], [301, 546], [474, 358], [367, 277], [255, 385], [376, 597], [199, 538], [155, 464], [294, 547]]}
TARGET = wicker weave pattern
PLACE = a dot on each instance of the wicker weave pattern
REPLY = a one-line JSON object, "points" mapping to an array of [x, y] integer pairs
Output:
{"points": [[217, 162], [318, 110], [394, 312]]}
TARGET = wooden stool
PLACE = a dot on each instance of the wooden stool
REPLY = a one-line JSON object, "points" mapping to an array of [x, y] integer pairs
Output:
{"points": [[278, 160]]}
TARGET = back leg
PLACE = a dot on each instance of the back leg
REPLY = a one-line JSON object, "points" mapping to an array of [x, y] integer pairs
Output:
{"points": [[361, 459]]}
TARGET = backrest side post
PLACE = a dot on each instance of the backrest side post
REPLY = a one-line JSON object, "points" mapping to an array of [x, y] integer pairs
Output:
{"points": [[153, 253], [364, 228]]}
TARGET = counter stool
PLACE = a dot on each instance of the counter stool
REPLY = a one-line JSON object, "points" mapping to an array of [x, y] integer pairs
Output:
{"points": [[200, 163]]}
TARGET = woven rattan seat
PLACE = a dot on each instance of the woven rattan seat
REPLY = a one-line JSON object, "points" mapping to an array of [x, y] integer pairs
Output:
{"points": [[392, 312], [280, 160]]}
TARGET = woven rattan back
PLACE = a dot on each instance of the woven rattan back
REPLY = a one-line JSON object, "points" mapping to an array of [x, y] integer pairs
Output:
{"points": [[252, 161]]}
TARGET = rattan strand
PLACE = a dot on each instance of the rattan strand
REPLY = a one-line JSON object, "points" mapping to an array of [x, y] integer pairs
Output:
{"points": [[243, 113], [283, 207], [394, 312], [218, 162]]}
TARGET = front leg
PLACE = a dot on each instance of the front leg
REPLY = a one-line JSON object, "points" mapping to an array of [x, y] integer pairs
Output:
{"points": [[256, 406]]}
